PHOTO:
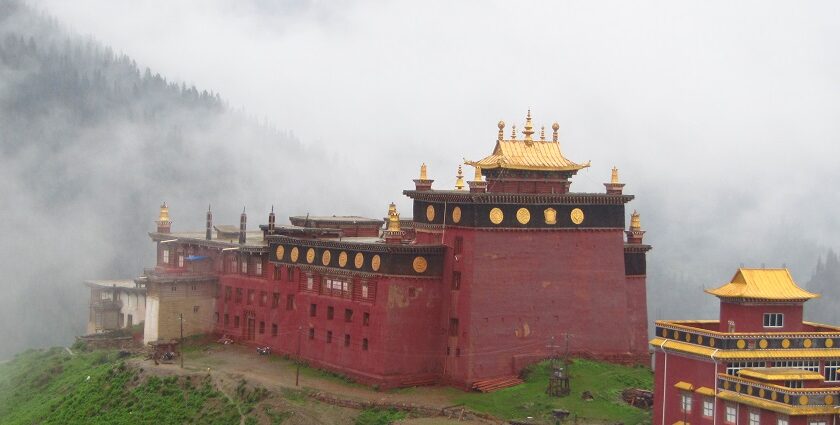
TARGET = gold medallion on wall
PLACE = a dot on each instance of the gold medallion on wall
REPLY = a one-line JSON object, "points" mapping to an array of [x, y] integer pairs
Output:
{"points": [[310, 255], [523, 216], [342, 259], [496, 216], [829, 400], [359, 260], [577, 216], [430, 213], [763, 343], [807, 343], [456, 215], [550, 216], [279, 252], [420, 265], [711, 342], [294, 254], [787, 399], [741, 344], [803, 400], [375, 262], [326, 257], [774, 395], [829, 343], [785, 343]]}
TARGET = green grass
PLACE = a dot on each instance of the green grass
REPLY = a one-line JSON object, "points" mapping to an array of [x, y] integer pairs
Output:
{"points": [[379, 417], [605, 381], [52, 387]]}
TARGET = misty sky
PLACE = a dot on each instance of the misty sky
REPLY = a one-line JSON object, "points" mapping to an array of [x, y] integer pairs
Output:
{"points": [[721, 116]]}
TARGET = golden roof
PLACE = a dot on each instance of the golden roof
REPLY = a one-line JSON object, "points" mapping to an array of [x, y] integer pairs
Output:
{"points": [[685, 386], [527, 154], [703, 351], [765, 284], [780, 374], [705, 391]]}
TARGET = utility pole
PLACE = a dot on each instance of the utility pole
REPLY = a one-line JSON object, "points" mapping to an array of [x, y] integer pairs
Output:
{"points": [[181, 350], [297, 372]]}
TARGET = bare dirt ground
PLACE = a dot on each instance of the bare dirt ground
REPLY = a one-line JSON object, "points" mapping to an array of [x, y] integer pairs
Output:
{"points": [[228, 365]]}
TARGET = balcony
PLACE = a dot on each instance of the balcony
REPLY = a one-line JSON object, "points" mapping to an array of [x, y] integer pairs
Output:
{"points": [[106, 304], [790, 401]]}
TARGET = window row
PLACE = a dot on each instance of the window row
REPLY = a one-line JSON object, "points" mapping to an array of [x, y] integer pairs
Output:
{"points": [[342, 287], [830, 370], [348, 314], [328, 338]]}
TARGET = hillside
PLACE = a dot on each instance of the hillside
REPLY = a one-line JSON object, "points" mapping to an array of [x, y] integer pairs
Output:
{"points": [[825, 281], [229, 385], [90, 144]]}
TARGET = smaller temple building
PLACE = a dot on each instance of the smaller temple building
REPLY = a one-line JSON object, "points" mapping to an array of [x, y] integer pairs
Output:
{"points": [[759, 364], [115, 304]]}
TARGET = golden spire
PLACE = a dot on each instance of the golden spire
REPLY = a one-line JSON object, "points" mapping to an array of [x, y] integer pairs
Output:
{"points": [[164, 213], [423, 175], [554, 127], [393, 218], [635, 222], [614, 177], [501, 130], [542, 133], [513, 132], [529, 128], [477, 177], [459, 184]]}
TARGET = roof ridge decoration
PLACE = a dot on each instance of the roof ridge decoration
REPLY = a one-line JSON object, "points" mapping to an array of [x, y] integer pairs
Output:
{"points": [[527, 153], [762, 284]]}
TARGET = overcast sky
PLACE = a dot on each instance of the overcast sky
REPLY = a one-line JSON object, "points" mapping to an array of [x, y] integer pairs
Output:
{"points": [[721, 116]]}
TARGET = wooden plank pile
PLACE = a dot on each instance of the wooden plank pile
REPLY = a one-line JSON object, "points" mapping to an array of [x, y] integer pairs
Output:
{"points": [[490, 385]]}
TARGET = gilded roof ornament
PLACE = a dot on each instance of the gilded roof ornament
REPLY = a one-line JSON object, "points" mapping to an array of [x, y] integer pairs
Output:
{"points": [[614, 176], [501, 130], [555, 127], [542, 133], [477, 176], [423, 175], [164, 213], [529, 127], [393, 218], [459, 183], [513, 132], [635, 222]]}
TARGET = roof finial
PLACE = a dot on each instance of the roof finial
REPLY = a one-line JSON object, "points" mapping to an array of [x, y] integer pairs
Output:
{"points": [[513, 132], [393, 218], [477, 176], [272, 208], [423, 175], [614, 176], [554, 127], [635, 222], [542, 133], [164, 212], [459, 183], [501, 130], [208, 207], [529, 128]]}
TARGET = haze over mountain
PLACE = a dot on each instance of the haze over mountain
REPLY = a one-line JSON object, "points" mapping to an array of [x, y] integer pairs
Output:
{"points": [[721, 118]]}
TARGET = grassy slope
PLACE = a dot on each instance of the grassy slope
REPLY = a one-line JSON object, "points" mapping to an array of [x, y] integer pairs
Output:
{"points": [[52, 387], [605, 381]]}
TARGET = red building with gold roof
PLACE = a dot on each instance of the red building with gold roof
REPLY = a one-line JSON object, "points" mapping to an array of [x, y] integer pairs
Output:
{"points": [[759, 364], [478, 284]]}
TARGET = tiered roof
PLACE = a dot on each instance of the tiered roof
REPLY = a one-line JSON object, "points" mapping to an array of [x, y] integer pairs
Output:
{"points": [[762, 284]]}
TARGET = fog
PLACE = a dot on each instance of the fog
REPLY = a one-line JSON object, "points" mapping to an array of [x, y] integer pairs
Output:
{"points": [[721, 116]]}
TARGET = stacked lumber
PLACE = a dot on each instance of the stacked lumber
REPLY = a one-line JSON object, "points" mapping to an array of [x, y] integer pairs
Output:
{"points": [[490, 385]]}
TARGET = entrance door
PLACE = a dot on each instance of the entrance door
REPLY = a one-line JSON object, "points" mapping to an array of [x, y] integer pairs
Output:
{"points": [[249, 335]]}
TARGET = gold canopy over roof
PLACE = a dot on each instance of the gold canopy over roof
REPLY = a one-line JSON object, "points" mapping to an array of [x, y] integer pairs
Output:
{"points": [[527, 154], [765, 284]]}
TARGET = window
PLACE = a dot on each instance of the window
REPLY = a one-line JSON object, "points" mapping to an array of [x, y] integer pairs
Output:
{"points": [[194, 287], [238, 299], [235, 321], [274, 329], [180, 261], [831, 371], [311, 333], [244, 266], [228, 293], [313, 310], [258, 267], [195, 309], [685, 402], [330, 312], [262, 328], [364, 344], [793, 384], [755, 418], [456, 281], [459, 245], [820, 421], [365, 319], [263, 298], [453, 327], [251, 296], [730, 414], [165, 256], [290, 274], [774, 320], [336, 286], [276, 272], [329, 337], [227, 319], [232, 267], [734, 367], [174, 288], [365, 290], [346, 340], [348, 315], [275, 299], [310, 282], [708, 407], [809, 365], [782, 420], [290, 302]]}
